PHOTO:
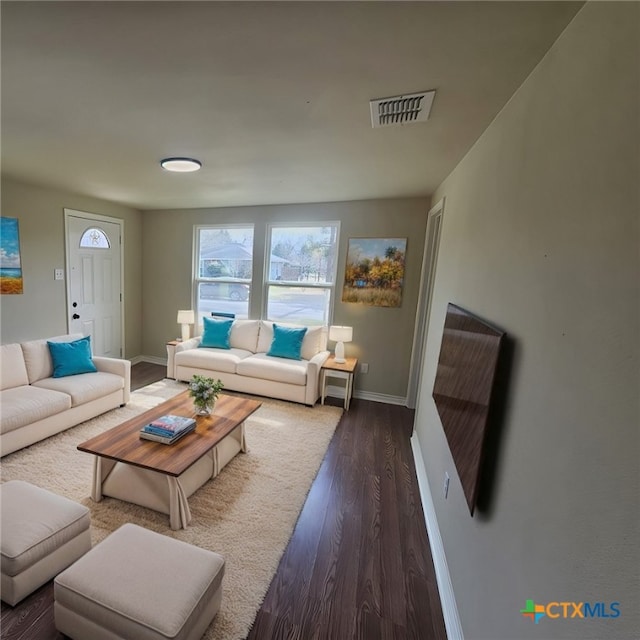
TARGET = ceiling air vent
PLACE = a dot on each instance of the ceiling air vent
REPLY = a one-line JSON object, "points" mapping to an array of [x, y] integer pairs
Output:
{"points": [[406, 109]]}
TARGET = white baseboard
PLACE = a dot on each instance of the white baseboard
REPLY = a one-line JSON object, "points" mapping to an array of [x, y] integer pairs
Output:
{"points": [[447, 596], [338, 392], [151, 359]]}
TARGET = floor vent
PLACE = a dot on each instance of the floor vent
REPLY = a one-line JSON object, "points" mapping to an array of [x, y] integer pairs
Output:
{"points": [[406, 109]]}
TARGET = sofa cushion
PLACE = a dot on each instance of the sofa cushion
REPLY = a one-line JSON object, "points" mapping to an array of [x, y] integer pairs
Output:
{"points": [[37, 357], [13, 372], [223, 360], [35, 523], [244, 335], [314, 339], [314, 342], [71, 358], [265, 338], [83, 387], [216, 333], [267, 367], [287, 342], [27, 404], [141, 584]]}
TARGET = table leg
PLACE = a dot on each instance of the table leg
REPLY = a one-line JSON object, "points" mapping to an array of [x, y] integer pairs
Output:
{"points": [[243, 439], [179, 512], [101, 469], [323, 384], [216, 461], [348, 392]]}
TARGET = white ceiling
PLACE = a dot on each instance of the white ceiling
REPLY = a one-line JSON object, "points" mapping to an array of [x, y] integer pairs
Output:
{"points": [[272, 97]]}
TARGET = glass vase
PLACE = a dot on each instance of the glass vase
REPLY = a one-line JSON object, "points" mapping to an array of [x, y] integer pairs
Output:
{"points": [[205, 409]]}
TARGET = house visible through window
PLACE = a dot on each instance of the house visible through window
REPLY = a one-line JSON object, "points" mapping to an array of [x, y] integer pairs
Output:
{"points": [[299, 273], [224, 266]]}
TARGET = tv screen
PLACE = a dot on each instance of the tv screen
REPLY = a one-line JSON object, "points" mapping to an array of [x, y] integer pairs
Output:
{"points": [[463, 390]]}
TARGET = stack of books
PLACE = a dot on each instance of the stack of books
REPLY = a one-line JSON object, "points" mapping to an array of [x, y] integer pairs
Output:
{"points": [[168, 429]]}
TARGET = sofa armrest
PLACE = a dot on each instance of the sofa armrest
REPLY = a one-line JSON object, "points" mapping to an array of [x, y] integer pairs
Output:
{"points": [[118, 367], [192, 343], [313, 377]]}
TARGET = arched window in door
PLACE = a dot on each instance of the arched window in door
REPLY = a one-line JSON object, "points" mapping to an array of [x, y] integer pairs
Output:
{"points": [[94, 238]]}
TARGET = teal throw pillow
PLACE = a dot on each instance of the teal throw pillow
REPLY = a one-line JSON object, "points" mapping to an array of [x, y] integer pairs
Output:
{"points": [[71, 358], [287, 342], [216, 333]]}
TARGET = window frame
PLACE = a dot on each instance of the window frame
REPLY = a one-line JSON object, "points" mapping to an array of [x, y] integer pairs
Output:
{"points": [[102, 235], [268, 282], [197, 279]]}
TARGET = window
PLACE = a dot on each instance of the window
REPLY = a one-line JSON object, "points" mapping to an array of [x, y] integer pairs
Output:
{"points": [[94, 239], [300, 273], [223, 270]]}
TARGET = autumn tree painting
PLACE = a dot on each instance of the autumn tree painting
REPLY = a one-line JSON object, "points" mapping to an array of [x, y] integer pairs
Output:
{"points": [[375, 271]]}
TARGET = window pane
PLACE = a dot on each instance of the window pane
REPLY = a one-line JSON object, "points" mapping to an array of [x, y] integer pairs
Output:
{"points": [[299, 305], [94, 239], [226, 253], [223, 297], [303, 254], [225, 266]]}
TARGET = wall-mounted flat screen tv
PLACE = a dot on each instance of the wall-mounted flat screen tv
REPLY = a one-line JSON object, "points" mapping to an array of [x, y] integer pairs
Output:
{"points": [[463, 390]]}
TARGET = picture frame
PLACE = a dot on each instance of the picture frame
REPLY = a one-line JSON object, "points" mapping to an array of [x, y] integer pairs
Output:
{"points": [[374, 271], [10, 261]]}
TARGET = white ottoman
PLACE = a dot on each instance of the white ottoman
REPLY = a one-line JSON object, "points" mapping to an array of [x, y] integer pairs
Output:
{"points": [[41, 534], [139, 585]]}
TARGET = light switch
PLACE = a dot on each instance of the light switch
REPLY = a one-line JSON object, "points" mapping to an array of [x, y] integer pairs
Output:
{"points": [[58, 274]]}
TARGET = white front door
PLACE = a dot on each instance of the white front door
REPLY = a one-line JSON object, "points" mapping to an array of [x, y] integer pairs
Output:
{"points": [[94, 287]]}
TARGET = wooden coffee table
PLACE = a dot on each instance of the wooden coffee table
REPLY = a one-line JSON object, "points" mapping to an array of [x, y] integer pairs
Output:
{"points": [[161, 476]]}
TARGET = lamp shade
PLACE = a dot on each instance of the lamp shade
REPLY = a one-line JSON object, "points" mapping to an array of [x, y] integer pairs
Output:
{"points": [[340, 333], [186, 316]]}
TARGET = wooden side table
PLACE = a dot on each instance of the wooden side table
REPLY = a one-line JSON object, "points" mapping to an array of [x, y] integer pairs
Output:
{"points": [[344, 371]]}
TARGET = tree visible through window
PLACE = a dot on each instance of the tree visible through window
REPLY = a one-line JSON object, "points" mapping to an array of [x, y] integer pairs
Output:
{"points": [[299, 275], [302, 273]]}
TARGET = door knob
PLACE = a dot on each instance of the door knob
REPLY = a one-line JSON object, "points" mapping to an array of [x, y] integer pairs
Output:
{"points": [[75, 316]]}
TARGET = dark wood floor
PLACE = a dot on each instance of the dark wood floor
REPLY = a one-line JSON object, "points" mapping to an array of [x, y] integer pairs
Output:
{"points": [[358, 564]]}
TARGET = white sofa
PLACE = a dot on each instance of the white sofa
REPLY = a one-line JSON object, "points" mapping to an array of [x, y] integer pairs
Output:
{"points": [[34, 405], [247, 368]]}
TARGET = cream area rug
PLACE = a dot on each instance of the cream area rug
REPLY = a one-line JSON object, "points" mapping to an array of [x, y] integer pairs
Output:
{"points": [[247, 513]]}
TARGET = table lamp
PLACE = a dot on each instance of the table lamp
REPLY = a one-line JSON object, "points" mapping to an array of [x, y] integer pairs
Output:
{"points": [[185, 318], [340, 335]]}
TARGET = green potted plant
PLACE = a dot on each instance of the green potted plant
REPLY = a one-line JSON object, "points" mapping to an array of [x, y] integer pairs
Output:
{"points": [[204, 392]]}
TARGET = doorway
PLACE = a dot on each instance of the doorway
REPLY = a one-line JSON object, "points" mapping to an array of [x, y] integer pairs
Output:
{"points": [[427, 279], [94, 280]]}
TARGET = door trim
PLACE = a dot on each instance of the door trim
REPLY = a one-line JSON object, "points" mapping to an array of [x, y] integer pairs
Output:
{"points": [[75, 213], [423, 310]]}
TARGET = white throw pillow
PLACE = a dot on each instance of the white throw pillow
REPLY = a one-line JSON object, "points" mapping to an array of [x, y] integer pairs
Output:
{"points": [[244, 335], [266, 336], [312, 342]]}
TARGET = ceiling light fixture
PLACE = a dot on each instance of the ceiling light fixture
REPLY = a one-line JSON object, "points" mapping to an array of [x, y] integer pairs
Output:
{"points": [[180, 164]]}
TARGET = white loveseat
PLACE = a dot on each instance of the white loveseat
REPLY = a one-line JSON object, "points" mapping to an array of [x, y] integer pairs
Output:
{"points": [[34, 405], [247, 368]]}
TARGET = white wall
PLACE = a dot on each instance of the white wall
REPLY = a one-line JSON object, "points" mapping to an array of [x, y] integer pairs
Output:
{"points": [[541, 237]]}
